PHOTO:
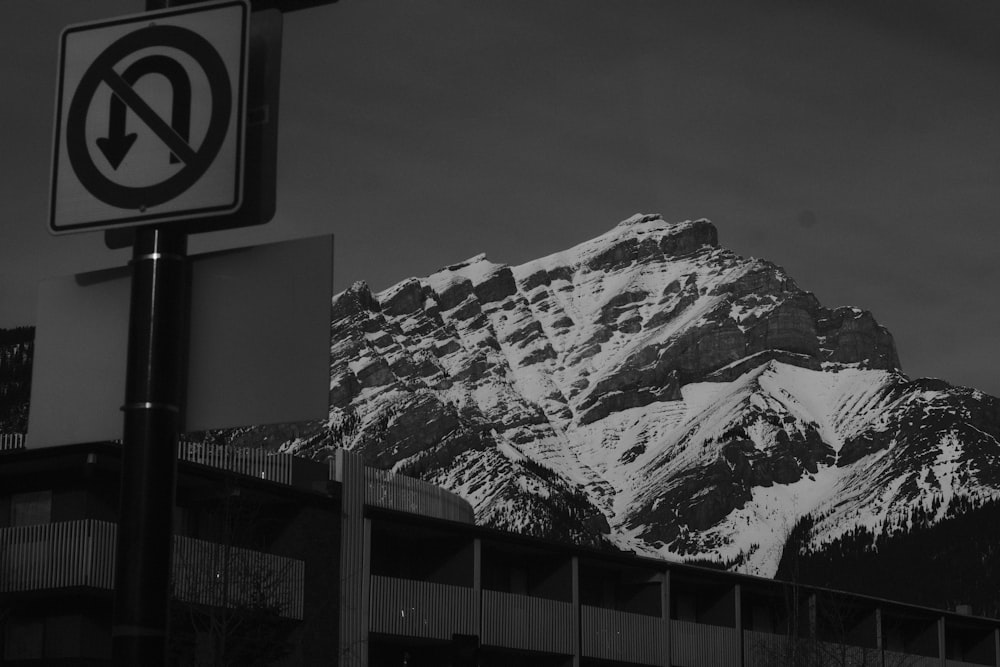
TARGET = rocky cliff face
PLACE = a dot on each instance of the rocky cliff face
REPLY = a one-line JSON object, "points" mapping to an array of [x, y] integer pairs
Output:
{"points": [[648, 389]]}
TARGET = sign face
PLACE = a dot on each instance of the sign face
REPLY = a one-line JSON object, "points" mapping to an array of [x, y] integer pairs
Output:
{"points": [[150, 118]]}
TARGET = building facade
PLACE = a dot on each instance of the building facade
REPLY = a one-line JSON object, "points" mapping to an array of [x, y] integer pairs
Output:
{"points": [[299, 563], [424, 586], [255, 557]]}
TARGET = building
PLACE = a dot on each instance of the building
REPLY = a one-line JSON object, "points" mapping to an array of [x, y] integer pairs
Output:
{"points": [[437, 592], [381, 570], [255, 556]]}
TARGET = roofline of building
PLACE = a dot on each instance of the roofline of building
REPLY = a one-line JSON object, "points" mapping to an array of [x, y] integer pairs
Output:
{"points": [[331, 494]]}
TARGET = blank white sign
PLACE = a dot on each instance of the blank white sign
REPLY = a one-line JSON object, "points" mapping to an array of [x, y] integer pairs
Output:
{"points": [[259, 347]]}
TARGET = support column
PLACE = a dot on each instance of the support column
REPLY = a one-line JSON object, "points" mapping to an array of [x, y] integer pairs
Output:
{"points": [[477, 583], [942, 649], [811, 602], [574, 564], [366, 588], [879, 637], [812, 605], [738, 602], [665, 617], [355, 559]]}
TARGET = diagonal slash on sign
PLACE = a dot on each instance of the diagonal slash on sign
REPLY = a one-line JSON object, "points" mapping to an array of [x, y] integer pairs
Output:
{"points": [[165, 132], [117, 144], [196, 161]]}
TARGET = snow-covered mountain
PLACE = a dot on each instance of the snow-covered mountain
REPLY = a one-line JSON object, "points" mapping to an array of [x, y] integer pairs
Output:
{"points": [[655, 391]]}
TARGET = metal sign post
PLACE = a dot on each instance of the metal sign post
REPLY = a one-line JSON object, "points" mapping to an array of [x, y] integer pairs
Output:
{"points": [[150, 138], [157, 344], [154, 386]]}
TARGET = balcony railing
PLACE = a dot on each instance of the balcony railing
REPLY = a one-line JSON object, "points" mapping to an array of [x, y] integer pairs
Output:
{"points": [[250, 461], [422, 609], [57, 555], [703, 645], [765, 649], [220, 575], [406, 494], [528, 623], [838, 653], [899, 659], [617, 635], [253, 462], [82, 554]]}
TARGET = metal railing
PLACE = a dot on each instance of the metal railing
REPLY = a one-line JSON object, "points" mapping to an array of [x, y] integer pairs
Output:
{"points": [[81, 553], [703, 645], [253, 462], [423, 609], [767, 649], [57, 555], [11, 441], [250, 461], [406, 494], [899, 659], [617, 635], [221, 575], [535, 624]]}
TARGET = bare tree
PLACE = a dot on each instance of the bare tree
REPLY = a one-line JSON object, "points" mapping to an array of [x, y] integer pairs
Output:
{"points": [[230, 602]]}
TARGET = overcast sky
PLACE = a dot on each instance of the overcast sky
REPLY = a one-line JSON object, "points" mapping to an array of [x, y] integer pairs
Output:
{"points": [[855, 143]]}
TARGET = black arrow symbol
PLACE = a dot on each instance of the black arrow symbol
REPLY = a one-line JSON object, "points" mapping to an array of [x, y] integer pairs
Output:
{"points": [[118, 143]]}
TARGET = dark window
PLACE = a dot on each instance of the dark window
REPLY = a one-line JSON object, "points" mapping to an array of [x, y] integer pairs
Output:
{"points": [[25, 638], [182, 521], [32, 508], [62, 636], [410, 552], [529, 572]]}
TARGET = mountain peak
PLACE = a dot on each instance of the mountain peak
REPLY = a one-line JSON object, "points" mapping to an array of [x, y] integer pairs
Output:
{"points": [[641, 219], [646, 382], [355, 299], [476, 269], [475, 259], [653, 225]]}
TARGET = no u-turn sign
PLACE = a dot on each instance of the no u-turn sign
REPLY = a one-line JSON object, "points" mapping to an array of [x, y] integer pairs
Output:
{"points": [[150, 118]]}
